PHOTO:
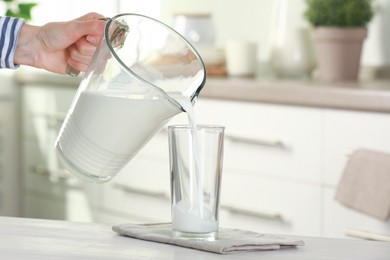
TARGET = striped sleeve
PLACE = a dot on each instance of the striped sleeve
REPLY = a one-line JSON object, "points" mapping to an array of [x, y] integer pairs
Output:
{"points": [[9, 33]]}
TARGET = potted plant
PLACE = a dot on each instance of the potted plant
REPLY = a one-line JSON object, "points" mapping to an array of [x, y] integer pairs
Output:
{"points": [[339, 33]]}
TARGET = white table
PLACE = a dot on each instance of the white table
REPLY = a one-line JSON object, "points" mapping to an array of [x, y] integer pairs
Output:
{"points": [[49, 239]]}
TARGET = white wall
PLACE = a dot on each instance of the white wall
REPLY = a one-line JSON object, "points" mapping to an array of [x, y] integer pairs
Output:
{"points": [[254, 20], [146, 7], [56, 10], [377, 47], [251, 20]]}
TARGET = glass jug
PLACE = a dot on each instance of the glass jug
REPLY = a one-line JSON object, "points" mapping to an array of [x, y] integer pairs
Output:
{"points": [[129, 92]]}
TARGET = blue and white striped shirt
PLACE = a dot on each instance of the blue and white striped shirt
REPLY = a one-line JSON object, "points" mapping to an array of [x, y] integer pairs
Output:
{"points": [[9, 34]]}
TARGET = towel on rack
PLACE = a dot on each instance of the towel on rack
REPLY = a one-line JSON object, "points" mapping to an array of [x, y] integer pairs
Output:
{"points": [[365, 183]]}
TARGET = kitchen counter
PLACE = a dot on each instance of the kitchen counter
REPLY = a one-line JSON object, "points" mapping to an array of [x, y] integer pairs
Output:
{"points": [[364, 96], [51, 239]]}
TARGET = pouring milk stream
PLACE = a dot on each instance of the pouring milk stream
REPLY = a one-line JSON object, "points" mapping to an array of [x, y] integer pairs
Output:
{"points": [[137, 81], [193, 216]]}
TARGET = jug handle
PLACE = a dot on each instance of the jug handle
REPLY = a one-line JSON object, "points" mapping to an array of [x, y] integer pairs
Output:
{"points": [[116, 37]]}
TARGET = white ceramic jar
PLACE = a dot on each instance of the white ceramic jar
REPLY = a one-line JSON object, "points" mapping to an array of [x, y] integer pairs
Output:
{"points": [[195, 27]]}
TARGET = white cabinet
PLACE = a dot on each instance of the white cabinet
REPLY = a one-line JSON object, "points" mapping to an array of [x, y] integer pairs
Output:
{"points": [[271, 166], [270, 140], [338, 219], [270, 205], [9, 179], [281, 167], [9, 154], [49, 191], [347, 131], [271, 185], [141, 191]]}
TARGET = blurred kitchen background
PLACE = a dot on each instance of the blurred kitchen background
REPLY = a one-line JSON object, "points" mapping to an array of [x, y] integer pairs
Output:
{"points": [[289, 135], [261, 22]]}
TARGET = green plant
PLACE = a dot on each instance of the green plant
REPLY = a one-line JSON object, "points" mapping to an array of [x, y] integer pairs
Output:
{"points": [[339, 13], [17, 9]]}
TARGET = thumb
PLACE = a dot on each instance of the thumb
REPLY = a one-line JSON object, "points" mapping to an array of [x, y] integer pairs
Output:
{"points": [[89, 16]]}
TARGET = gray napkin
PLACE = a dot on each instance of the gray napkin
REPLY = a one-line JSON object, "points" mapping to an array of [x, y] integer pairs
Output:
{"points": [[365, 183], [229, 240]]}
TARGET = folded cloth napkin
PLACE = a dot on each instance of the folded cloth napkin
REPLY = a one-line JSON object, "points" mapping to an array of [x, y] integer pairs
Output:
{"points": [[229, 240], [365, 183]]}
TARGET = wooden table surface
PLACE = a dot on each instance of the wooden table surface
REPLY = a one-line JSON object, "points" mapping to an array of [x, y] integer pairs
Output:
{"points": [[22, 238]]}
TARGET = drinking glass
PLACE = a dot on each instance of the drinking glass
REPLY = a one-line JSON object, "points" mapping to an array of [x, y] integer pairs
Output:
{"points": [[196, 158]]}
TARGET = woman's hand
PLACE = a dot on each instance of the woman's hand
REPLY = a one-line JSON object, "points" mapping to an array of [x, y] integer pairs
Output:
{"points": [[55, 45]]}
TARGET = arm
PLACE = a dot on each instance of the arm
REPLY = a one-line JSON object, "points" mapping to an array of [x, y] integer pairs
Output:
{"points": [[9, 33], [54, 45]]}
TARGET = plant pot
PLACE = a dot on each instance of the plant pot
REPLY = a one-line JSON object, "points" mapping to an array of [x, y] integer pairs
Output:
{"points": [[338, 52]]}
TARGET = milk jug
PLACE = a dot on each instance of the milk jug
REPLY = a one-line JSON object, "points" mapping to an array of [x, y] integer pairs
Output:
{"points": [[131, 89]]}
